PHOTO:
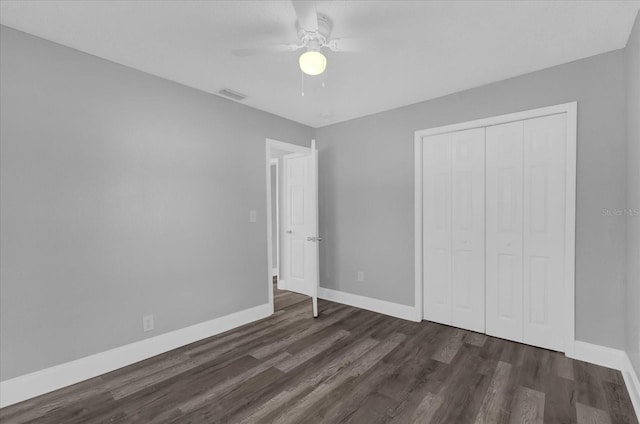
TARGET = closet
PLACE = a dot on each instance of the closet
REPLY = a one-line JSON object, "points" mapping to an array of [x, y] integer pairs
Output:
{"points": [[494, 211]]}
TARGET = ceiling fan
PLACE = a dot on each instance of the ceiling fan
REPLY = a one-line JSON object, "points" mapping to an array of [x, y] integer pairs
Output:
{"points": [[313, 32]]}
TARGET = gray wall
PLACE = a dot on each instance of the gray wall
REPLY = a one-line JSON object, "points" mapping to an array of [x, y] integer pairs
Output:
{"points": [[122, 195], [633, 199], [367, 172]]}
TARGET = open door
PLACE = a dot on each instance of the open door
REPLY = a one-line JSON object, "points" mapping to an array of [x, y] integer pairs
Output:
{"points": [[301, 224], [299, 267]]}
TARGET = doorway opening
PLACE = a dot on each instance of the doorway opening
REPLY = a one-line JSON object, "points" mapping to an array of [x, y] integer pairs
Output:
{"points": [[292, 224]]}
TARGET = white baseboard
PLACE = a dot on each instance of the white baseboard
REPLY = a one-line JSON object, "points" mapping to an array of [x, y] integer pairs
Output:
{"points": [[632, 381], [376, 305], [611, 358], [599, 355], [40, 382]]}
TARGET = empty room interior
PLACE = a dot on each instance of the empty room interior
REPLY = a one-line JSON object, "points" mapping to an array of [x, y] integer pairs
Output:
{"points": [[319, 211]]}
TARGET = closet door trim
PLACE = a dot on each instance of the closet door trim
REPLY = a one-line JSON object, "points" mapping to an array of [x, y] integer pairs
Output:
{"points": [[570, 109]]}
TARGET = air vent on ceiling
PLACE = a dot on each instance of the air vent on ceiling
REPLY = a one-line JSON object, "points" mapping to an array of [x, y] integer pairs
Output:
{"points": [[232, 94]]}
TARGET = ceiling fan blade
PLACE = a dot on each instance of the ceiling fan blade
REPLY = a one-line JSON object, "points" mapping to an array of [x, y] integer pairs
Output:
{"points": [[276, 48], [307, 15], [351, 45]]}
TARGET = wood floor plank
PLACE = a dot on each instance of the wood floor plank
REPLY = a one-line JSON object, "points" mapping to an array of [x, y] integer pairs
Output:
{"points": [[48, 404], [254, 390], [618, 398], [491, 353], [559, 400], [350, 396], [588, 385], [513, 353], [448, 349], [390, 380], [268, 349], [426, 409], [416, 392], [414, 364], [311, 351], [176, 389], [219, 388], [475, 339], [347, 366], [297, 412], [563, 366], [527, 407], [495, 404], [372, 410], [590, 415], [459, 383], [304, 383]]}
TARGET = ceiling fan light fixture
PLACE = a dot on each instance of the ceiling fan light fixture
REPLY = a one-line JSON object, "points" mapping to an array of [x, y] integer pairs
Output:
{"points": [[313, 62]]}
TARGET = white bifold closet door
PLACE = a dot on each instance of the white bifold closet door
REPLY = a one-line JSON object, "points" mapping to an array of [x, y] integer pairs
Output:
{"points": [[453, 237], [525, 208], [504, 172], [544, 230]]}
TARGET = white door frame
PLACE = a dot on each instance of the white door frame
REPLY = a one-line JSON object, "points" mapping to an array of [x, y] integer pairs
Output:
{"points": [[570, 203], [275, 270], [270, 146]]}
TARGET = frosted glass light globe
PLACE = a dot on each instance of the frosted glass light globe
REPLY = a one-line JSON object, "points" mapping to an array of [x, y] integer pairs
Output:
{"points": [[313, 62]]}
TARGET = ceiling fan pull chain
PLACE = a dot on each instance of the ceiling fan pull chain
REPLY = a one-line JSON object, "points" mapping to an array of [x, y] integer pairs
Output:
{"points": [[302, 83]]}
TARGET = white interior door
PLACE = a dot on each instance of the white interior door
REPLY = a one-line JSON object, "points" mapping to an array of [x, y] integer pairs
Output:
{"points": [[544, 230], [436, 183], [301, 224], [453, 182], [467, 224], [504, 170]]}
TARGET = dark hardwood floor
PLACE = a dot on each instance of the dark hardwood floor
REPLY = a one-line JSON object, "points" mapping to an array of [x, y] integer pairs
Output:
{"points": [[283, 299], [347, 366]]}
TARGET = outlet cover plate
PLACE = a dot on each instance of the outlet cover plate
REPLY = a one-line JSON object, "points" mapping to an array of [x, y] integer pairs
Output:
{"points": [[147, 323]]}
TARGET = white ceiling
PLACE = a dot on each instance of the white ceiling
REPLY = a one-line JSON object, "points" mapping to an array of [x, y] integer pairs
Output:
{"points": [[430, 49]]}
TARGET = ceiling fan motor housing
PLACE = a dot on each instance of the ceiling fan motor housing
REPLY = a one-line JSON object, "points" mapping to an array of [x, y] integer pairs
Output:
{"points": [[321, 36]]}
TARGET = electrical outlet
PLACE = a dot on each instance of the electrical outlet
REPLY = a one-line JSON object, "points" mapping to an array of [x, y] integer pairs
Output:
{"points": [[147, 323], [360, 276], [252, 216]]}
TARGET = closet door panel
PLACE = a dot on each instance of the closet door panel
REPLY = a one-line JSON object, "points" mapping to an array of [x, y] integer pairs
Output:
{"points": [[544, 229], [467, 225], [436, 176], [504, 220]]}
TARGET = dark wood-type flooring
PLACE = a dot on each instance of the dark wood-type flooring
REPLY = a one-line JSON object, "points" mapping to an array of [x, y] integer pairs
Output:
{"points": [[347, 366]]}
